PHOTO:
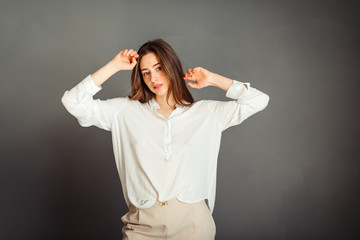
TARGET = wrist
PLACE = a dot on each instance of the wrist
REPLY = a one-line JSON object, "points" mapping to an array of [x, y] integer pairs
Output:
{"points": [[113, 66], [220, 81]]}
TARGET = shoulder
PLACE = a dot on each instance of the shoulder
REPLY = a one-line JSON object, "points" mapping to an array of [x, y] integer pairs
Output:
{"points": [[209, 102], [195, 104], [133, 104], [117, 100], [200, 105], [112, 104], [215, 105], [206, 102], [130, 101]]}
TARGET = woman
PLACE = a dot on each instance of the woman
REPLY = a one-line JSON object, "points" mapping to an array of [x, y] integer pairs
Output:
{"points": [[165, 144]]}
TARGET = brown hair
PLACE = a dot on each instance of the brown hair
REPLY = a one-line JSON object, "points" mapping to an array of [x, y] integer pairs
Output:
{"points": [[172, 68]]}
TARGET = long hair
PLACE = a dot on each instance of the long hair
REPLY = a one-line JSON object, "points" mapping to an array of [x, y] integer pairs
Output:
{"points": [[172, 68]]}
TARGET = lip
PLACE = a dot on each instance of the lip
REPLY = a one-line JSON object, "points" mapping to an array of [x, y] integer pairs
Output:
{"points": [[158, 86]]}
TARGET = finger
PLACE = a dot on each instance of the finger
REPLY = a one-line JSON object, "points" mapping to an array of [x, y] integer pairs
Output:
{"points": [[193, 85], [134, 54], [129, 52], [191, 74], [188, 72], [134, 60], [189, 77], [125, 51]]}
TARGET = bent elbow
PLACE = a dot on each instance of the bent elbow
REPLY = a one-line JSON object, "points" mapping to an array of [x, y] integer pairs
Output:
{"points": [[267, 99], [264, 101], [68, 102], [64, 99]]}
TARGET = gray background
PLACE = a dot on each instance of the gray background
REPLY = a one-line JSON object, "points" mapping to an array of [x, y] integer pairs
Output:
{"points": [[288, 172]]}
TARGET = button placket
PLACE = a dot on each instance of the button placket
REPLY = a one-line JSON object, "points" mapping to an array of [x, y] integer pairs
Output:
{"points": [[167, 140]]}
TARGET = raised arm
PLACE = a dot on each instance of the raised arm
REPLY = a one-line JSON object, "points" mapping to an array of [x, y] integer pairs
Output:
{"points": [[247, 100], [124, 60], [80, 103]]}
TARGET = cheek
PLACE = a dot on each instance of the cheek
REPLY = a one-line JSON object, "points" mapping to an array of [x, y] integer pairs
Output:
{"points": [[146, 80], [147, 83], [165, 78]]}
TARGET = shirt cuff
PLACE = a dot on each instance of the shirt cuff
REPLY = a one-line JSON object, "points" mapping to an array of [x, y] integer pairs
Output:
{"points": [[90, 85], [237, 89]]}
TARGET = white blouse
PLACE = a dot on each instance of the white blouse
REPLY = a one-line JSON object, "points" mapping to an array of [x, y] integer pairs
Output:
{"points": [[159, 158]]}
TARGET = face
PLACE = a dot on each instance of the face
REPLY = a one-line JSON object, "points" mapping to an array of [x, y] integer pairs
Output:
{"points": [[153, 74]]}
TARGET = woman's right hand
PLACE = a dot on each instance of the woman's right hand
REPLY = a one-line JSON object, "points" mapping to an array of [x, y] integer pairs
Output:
{"points": [[126, 59]]}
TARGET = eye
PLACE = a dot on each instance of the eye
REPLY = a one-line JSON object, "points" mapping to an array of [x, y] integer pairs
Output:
{"points": [[146, 73], [158, 68]]}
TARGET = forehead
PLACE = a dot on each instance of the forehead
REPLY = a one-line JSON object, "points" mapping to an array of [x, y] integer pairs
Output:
{"points": [[148, 60]]}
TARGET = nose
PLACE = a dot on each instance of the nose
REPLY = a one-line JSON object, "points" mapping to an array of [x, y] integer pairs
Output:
{"points": [[154, 76]]}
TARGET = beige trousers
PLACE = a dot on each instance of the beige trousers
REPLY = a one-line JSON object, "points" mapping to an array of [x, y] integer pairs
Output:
{"points": [[171, 220]]}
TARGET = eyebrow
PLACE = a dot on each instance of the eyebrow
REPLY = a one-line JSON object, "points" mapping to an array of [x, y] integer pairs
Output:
{"points": [[153, 66]]}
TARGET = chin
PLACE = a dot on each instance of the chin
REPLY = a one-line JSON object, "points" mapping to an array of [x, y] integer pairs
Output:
{"points": [[161, 93]]}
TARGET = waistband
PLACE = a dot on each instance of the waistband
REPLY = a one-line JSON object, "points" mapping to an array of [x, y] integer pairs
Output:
{"points": [[171, 202]]}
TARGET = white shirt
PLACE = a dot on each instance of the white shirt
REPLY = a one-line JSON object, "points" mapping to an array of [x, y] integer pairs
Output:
{"points": [[159, 158]]}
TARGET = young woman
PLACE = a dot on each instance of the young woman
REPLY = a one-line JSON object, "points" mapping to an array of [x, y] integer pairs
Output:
{"points": [[165, 144]]}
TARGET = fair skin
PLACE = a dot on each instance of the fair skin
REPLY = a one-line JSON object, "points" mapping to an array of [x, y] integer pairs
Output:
{"points": [[153, 75]]}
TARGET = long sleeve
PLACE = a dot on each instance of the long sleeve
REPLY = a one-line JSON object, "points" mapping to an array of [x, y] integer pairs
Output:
{"points": [[247, 102], [80, 103]]}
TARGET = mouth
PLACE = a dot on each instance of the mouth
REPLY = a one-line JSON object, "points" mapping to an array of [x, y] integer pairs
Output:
{"points": [[157, 86]]}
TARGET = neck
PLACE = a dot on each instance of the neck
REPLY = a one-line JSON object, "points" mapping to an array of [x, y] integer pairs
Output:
{"points": [[161, 100]]}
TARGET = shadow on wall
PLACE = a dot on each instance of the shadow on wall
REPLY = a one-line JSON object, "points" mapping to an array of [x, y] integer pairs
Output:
{"points": [[87, 200]]}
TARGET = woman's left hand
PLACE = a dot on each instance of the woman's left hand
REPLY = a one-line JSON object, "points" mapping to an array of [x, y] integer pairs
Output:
{"points": [[200, 75]]}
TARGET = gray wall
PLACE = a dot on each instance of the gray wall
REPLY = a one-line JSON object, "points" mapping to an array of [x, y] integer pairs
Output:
{"points": [[288, 172]]}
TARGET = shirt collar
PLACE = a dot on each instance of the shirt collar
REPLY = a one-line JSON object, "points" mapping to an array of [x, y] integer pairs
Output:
{"points": [[155, 106]]}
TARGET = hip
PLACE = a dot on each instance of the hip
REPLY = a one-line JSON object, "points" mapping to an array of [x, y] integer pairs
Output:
{"points": [[171, 220]]}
